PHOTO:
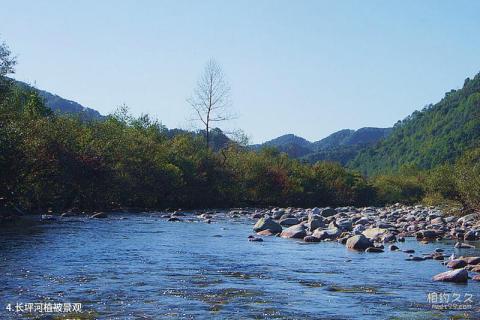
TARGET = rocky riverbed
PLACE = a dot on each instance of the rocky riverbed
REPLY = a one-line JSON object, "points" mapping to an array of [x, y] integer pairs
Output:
{"points": [[375, 230], [209, 264]]}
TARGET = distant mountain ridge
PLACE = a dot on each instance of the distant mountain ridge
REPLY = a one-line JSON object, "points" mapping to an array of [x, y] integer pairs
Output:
{"points": [[62, 105], [341, 146]]}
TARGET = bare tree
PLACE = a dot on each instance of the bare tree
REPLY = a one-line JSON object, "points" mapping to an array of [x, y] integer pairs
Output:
{"points": [[211, 98]]}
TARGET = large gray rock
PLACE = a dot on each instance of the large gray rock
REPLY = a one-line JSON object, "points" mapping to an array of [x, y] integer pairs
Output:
{"points": [[314, 222], [267, 223], [328, 212], [456, 264], [373, 233], [358, 229], [470, 236], [359, 242], [458, 276], [344, 224], [426, 234], [469, 218], [296, 231], [287, 222], [327, 233], [278, 214]]}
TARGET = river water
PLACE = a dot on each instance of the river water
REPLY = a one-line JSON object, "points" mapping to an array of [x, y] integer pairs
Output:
{"points": [[143, 267]]}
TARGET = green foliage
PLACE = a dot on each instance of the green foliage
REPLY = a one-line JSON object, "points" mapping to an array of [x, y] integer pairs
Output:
{"points": [[398, 188], [467, 174], [438, 134], [61, 162]]}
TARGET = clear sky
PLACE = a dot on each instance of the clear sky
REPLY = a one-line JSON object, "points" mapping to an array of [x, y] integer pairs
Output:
{"points": [[303, 67]]}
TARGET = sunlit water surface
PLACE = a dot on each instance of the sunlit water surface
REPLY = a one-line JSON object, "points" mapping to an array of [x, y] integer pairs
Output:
{"points": [[143, 267]]}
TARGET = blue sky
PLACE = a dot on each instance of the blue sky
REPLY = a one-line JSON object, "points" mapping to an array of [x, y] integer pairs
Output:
{"points": [[303, 67]]}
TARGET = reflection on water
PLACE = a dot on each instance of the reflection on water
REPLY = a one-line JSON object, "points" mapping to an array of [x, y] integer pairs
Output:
{"points": [[146, 268]]}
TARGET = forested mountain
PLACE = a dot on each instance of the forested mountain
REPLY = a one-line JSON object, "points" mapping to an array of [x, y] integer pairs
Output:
{"points": [[59, 104], [341, 146], [438, 134], [291, 144]]}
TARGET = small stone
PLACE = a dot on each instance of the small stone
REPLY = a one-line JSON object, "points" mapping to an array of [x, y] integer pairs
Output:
{"points": [[374, 250], [393, 247], [415, 259]]}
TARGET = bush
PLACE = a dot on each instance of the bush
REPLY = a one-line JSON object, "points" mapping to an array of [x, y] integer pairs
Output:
{"points": [[467, 177]]}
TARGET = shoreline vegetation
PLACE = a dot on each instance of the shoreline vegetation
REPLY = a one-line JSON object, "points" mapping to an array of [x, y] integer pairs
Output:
{"points": [[54, 163]]}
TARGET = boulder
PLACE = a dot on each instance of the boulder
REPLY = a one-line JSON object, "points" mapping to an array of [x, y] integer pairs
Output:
{"points": [[266, 233], [267, 223], [323, 234], [472, 260], [344, 224], [456, 264], [287, 222], [458, 276], [359, 242], [314, 222], [358, 229], [438, 220], [296, 231], [469, 218], [470, 236], [328, 212], [475, 269], [373, 233], [426, 234], [389, 237]]}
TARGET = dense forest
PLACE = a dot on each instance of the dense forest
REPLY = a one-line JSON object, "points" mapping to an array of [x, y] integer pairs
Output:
{"points": [[55, 161], [438, 134]]}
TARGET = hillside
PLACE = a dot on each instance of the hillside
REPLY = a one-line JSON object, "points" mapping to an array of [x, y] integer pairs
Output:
{"points": [[61, 105], [341, 146], [437, 134]]}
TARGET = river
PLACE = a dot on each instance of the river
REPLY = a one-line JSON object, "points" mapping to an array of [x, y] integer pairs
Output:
{"points": [[139, 266]]}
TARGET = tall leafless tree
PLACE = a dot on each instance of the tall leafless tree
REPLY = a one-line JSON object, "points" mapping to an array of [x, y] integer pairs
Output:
{"points": [[211, 98]]}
